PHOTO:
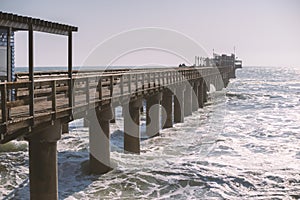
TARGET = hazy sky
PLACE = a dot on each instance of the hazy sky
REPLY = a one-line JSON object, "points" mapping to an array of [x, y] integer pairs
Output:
{"points": [[265, 32]]}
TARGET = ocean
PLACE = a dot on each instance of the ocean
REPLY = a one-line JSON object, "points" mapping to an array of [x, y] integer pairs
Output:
{"points": [[245, 144]]}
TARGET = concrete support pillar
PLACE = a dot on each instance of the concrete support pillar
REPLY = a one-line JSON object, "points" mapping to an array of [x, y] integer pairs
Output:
{"points": [[43, 162], [188, 100], [167, 104], [99, 135], [85, 122], [218, 84], [132, 126], [113, 120], [179, 104], [205, 89], [153, 115], [195, 97], [65, 128], [200, 94]]}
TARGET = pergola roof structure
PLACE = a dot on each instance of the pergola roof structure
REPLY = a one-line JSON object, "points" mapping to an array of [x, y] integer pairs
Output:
{"points": [[17, 22], [12, 22]]}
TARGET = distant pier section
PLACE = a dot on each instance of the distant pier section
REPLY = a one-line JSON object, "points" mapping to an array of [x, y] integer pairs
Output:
{"points": [[39, 105]]}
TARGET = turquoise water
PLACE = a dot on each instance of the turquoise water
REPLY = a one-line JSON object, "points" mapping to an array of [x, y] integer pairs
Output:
{"points": [[245, 144]]}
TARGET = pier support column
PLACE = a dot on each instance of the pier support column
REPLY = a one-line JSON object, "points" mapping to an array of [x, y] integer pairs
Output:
{"points": [[205, 89], [219, 82], [132, 126], [188, 100], [153, 115], [43, 162], [195, 97], [167, 104], [200, 93], [85, 122], [179, 104], [65, 128], [113, 120], [99, 135]]}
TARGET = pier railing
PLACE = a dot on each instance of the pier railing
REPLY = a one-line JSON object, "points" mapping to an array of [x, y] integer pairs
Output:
{"points": [[20, 112]]}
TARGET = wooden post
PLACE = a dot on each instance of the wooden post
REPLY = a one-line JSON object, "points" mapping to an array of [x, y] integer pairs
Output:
{"points": [[53, 98], [100, 88], [4, 103], [70, 88], [122, 85], [149, 80], [87, 91], [8, 54], [143, 81], [136, 82], [111, 88], [31, 74], [129, 84]]}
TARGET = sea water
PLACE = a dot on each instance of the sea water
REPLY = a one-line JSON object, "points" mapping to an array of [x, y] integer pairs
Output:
{"points": [[245, 144]]}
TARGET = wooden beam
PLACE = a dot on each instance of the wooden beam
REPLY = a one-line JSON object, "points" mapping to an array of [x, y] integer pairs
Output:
{"points": [[4, 103], [70, 70], [31, 72], [8, 54]]}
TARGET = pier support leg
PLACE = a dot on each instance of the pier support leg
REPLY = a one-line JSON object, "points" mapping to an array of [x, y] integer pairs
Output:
{"points": [[205, 89], [188, 100], [65, 128], [132, 126], [195, 97], [43, 162], [113, 120], [85, 122], [167, 104], [99, 135], [179, 104], [200, 94], [153, 115]]}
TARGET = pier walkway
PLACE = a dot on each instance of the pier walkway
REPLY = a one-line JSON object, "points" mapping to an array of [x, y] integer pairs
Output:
{"points": [[37, 106]]}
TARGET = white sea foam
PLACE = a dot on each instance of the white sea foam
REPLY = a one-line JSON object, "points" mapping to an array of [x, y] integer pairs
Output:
{"points": [[242, 146]]}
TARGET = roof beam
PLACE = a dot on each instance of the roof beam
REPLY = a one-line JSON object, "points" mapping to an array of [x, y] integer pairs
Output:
{"points": [[24, 23]]}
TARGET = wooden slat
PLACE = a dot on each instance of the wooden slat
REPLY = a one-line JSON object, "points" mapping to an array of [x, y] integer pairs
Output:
{"points": [[4, 103]]}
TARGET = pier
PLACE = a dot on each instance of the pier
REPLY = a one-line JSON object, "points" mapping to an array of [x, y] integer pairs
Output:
{"points": [[38, 105]]}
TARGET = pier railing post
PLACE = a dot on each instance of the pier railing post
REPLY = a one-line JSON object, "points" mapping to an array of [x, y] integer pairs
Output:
{"points": [[99, 135], [70, 73], [43, 162], [31, 74], [131, 113]]}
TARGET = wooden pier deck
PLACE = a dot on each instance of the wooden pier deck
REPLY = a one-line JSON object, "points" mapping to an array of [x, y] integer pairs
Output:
{"points": [[90, 89], [37, 105]]}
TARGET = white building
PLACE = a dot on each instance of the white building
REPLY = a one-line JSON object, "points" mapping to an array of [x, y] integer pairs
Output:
{"points": [[3, 56]]}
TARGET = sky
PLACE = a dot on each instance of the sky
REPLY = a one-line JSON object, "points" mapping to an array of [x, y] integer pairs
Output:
{"points": [[264, 32]]}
